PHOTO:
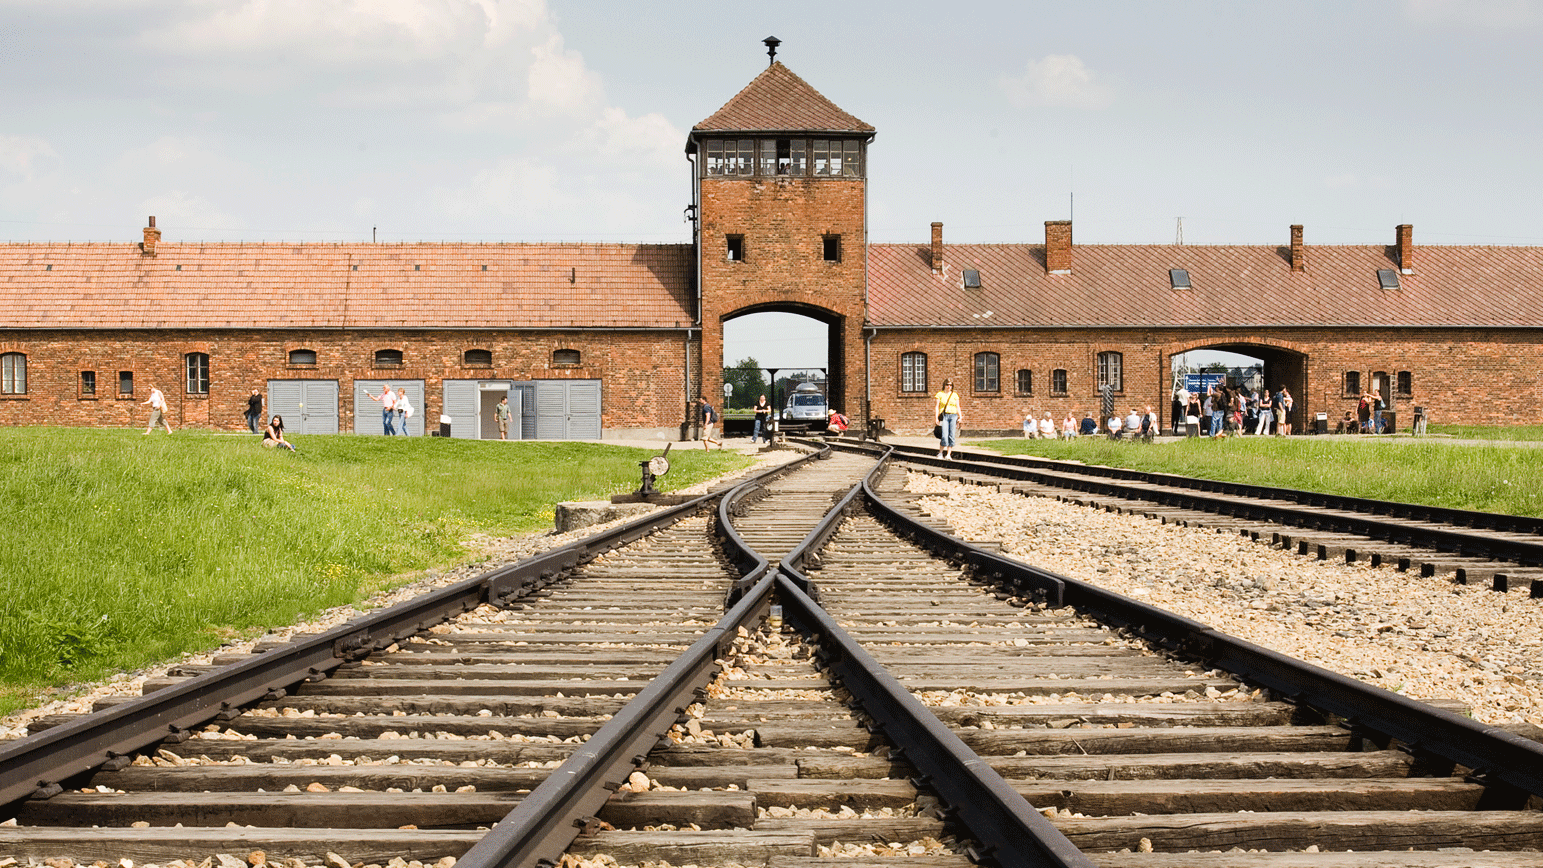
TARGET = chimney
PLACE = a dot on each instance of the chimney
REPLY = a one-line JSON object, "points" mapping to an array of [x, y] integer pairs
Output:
{"points": [[937, 248], [152, 235], [1298, 255], [1406, 248], [1058, 246]]}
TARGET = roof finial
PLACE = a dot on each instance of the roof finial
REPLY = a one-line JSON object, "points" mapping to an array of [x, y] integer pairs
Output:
{"points": [[771, 43]]}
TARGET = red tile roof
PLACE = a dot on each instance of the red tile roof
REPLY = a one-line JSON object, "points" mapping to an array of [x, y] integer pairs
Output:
{"points": [[1124, 285], [778, 100], [277, 285]]}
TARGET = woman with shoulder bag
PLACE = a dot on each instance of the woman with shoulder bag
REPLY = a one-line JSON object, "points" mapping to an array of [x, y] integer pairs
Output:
{"points": [[948, 419]]}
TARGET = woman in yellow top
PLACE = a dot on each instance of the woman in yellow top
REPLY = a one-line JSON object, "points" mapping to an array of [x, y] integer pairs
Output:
{"points": [[948, 419]]}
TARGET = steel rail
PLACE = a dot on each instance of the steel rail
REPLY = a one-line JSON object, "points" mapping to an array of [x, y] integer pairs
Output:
{"points": [[1477, 539], [1496, 521], [1011, 832], [37, 765], [747, 560], [546, 822], [1509, 765]]}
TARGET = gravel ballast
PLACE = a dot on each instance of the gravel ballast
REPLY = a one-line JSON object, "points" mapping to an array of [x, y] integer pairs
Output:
{"points": [[1425, 638]]}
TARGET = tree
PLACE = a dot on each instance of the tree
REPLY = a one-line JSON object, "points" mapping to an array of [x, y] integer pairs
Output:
{"points": [[748, 380]]}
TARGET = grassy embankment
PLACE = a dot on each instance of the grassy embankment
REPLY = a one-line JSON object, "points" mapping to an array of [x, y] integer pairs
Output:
{"points": [[1489, 478], [120, 550]]}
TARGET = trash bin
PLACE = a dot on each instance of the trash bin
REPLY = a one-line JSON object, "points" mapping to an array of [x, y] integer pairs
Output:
{"points": [[444, 426], [1321, 423], [1390, 421], [875, 428]]}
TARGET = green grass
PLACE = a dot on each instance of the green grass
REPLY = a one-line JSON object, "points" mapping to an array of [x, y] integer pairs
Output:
{"points": [[1488, 432], [120, 550], [1507, 480]]}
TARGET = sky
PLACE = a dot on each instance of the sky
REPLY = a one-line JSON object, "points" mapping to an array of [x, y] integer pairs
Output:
{"points": [[566, 120]]}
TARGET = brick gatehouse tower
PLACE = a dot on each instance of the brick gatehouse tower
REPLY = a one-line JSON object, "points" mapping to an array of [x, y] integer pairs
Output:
{"points": [[780, 195]]}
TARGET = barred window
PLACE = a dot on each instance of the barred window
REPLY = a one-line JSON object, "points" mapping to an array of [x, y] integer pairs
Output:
{"points": [[1025, 381], [388, 358], [1111, 370], [197, 373], [1058, 381], [1352, 382], [988, 372], [1405, 384], [87, 383], [125, 383], [562, 358], [913, 372], [479, 358]]}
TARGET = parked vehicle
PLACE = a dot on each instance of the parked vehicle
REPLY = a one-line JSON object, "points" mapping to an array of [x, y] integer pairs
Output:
{"points": [[806, 408]]}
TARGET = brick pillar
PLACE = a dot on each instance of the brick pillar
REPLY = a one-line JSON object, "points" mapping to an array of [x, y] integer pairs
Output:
{"points": [[937, 248], [1298, 255], [1406, 248], [1058, 246]]}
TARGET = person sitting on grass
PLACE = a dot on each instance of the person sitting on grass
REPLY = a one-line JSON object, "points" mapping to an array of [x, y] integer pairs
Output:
{"points": [[273, 435]]}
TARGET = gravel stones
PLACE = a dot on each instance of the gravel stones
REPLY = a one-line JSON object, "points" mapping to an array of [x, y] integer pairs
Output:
{"points": [[1425, 638]]}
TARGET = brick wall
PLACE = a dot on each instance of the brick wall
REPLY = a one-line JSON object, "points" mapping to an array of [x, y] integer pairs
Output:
{"points": [[1473, 376], [783, 222], [641, 373]]}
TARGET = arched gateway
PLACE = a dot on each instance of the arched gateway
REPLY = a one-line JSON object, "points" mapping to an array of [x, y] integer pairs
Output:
{"points": [[779, 195]]}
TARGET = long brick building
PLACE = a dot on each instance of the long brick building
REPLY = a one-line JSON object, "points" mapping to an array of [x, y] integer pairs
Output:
{"points": [[609, 340]]}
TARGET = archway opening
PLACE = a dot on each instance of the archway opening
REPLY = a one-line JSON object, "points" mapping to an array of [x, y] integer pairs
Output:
{"points": [[1254, 367], [774, 351]]}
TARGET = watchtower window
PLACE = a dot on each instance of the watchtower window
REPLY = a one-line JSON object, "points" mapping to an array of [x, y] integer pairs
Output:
{"points": [[831, 245], [728, 156], [838, 157], [736, 248]]}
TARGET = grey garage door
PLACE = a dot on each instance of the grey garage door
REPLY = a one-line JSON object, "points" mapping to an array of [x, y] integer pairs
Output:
{"points": [[568, 409], [367, 418], [470, 405], [308, 406]]}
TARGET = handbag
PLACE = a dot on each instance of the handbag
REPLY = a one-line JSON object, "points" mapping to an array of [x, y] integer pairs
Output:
{"points": [[937, 431]]}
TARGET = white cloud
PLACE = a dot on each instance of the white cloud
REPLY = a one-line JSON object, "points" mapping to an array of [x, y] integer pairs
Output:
{"points": [[559, 79], [334, 31], [1475, 14], [24, 155], [651, 136], [1058, 80]]}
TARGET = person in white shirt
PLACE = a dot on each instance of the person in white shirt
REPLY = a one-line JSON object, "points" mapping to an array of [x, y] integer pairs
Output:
{"points": [[404, 411], [1047, 428], [157, 404]]}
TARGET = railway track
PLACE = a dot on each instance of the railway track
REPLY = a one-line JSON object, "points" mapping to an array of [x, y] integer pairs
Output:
{"points": [[912, 701], [1501, 551]]}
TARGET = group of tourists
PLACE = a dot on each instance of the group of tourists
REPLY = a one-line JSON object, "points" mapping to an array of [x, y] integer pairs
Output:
{"points": [[395, 409], [1235, 410], [1368, 417]]}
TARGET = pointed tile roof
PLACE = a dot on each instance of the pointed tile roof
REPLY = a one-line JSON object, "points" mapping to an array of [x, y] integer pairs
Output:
{"points": [[778, 100]]}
